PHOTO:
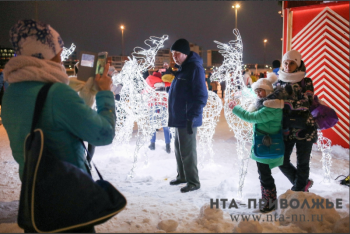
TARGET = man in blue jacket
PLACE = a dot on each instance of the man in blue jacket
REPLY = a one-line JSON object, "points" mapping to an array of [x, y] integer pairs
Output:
{"points": [[187, 96]]}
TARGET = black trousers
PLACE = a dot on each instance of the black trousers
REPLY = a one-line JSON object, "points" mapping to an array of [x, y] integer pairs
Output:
{"points": [[186, 156], [265, 176], [299, 175]]}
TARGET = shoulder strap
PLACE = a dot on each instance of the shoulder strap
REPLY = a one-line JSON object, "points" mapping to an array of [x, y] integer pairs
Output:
{"points": [[262, 132], [39, 104]]}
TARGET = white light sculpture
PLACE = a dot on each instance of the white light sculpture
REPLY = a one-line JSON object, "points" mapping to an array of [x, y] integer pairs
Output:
{"points": [[324, 145], [230, 71], [211, 114], [138, 101], [67, 52]]}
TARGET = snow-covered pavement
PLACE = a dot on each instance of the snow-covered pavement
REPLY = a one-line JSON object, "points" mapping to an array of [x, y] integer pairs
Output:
{"points": [[155, 206]]}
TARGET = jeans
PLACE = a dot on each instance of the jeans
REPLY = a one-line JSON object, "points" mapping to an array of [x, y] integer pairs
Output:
{"points": [[166, 136], [117, 97], [265, 176], [297, 176]]}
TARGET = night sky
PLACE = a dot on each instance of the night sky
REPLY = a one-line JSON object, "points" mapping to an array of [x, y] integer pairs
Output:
{"points": [[95, 25]]}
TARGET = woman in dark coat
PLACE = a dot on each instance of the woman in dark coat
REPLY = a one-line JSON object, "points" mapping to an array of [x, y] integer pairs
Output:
{"points": [[298, 96]]}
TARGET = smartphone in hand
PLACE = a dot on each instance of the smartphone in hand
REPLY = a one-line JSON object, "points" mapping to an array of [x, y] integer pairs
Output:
{"points": [[101, 62], [87, 65]]}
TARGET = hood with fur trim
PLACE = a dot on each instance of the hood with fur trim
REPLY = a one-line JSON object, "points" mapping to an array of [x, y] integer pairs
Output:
{"points": [[277, 94]]}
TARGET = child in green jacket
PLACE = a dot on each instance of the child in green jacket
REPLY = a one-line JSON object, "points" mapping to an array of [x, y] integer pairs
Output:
{"points": [[267, 120]]}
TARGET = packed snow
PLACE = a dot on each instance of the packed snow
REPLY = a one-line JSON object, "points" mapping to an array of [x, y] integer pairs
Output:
{"points": [[155, 206]]}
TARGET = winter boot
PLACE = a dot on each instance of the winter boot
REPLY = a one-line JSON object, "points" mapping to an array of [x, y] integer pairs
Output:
{"points": [[308, 185], [152, 146], [270, 196], [167, 148]]}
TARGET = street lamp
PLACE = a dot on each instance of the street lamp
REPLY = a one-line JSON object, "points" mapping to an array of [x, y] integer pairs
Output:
{"points": [[265, 50], [122, 28], [236, 8]]}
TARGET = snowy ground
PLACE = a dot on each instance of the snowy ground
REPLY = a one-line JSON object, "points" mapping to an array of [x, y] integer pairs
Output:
{"points": [[155, 206]]}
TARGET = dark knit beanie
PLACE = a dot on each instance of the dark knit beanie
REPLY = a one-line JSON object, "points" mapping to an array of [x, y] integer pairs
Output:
{"points": [[182, 46], [276, 64]]}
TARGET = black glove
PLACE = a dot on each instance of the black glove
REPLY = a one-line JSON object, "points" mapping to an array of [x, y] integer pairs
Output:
{"points": [[189, 127]]}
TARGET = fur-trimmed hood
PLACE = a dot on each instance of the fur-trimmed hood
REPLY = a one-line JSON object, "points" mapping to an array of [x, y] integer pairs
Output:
{"points": [[277, 94]]}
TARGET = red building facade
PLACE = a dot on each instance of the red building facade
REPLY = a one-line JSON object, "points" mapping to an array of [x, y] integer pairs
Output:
{"points": [[320, 32]]}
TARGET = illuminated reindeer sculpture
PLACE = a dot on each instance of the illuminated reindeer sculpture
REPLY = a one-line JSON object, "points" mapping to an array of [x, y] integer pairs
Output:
{"points": [[211, 114], [230, 71], [138, 101], [67, 52]]}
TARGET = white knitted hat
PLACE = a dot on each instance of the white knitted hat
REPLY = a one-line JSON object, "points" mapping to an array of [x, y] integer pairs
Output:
{"points": [[292, 55], [34, 38], [265, 83]]}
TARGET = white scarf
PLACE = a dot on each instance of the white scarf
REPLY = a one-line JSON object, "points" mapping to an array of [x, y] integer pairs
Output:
{"points": [[291, 77], [28, 68]]}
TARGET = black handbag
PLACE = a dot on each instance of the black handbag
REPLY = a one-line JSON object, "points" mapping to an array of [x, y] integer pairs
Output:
{"points": [[57, 196]]}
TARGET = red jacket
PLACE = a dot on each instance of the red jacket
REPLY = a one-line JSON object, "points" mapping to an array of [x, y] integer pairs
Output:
{"points": [[151, 80], [156, 77]]}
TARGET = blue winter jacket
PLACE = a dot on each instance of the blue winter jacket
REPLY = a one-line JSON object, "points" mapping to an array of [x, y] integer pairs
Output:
{"points": [[188, 93]]}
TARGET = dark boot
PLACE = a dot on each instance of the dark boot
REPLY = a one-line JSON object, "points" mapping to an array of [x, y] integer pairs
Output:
{"points": [[189, 188], [269, 195], [309, 184], [176, 182], [167, 148], [152, 146]]}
